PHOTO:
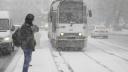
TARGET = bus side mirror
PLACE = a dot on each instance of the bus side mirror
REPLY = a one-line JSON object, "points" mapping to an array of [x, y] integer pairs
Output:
{"points": [[90, 13]]}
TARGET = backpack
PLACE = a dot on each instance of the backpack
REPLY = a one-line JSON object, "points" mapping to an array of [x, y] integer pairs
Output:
{"points": [[27, 36], [16, 38]]}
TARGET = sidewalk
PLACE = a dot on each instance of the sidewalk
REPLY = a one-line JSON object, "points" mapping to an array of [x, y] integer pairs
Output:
{"points": [[41, 62]]}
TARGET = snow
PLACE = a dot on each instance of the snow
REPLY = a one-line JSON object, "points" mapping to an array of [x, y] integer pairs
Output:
{"points": [[81, 63], [41, 58], [15, 62], [100, 56], [116, 64], [123, 32], [60, 62], [117, 50], [42, 62]]}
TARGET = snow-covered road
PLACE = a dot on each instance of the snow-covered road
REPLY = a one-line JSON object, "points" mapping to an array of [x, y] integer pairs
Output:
{"points": [[100, 56]]}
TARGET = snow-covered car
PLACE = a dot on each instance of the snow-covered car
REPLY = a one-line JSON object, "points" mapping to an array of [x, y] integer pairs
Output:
{"points": [[99, 31], [17, 26]]}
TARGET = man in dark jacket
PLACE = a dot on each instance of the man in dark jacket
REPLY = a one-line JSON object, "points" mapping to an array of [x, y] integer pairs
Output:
{"points": [[27, 40]]}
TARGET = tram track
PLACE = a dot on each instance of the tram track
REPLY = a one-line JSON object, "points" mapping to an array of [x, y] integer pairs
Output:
{"points": [[69, 67], [98, 62], [59, 54], [111, 53], [60, 62], [108, 51], [113, 45]]}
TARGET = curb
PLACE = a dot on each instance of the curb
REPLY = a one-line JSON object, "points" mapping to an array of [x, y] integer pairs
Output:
{"points": [[14, 62]]}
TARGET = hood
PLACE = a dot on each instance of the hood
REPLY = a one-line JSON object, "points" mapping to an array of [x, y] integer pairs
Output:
{"points": [[4, 33]]}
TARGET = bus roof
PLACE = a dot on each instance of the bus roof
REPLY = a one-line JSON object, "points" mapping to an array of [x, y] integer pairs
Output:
{"points": [[56, 3], [4, 14]]}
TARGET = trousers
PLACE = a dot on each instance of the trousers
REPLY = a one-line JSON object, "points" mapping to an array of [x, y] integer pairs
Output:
{"points": [[27, 58]]}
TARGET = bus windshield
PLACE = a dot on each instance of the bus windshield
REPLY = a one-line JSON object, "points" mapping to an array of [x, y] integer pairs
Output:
{"points": [[72, 12], [4, 24]]}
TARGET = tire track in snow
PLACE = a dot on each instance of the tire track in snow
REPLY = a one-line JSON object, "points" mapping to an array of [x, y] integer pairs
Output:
{"points": [[69, 67], [113, 45], [60, 61], [108, 51], [98, 62], [111, 53]]}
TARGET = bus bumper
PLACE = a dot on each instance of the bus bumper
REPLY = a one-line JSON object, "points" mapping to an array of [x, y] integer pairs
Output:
{"points": [[71, 43]]}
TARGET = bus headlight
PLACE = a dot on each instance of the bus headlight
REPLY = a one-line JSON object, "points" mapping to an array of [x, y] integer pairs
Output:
{"points": [[80, 34], [61, 34]]}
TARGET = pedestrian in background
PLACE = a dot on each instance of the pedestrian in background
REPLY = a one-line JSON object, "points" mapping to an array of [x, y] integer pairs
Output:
{"points": [[28, 41]]}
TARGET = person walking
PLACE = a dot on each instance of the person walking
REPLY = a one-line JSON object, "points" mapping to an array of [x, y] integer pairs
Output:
{"points": [[28, 41]]}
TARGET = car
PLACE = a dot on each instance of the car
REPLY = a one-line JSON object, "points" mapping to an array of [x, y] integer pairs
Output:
{"points": [[17, 26], [6, 30], [99, 31]]}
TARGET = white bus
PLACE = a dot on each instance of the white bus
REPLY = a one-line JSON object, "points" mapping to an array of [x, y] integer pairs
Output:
{"points": [[68, 24]]}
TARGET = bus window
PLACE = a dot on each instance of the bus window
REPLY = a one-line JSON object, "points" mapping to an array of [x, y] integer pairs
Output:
{"points": [[72, 12]]}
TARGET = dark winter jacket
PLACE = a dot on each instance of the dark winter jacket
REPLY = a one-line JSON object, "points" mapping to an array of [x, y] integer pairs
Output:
{"points": [[27, 37]]}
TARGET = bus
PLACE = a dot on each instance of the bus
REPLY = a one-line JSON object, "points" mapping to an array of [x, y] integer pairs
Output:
{"points": [[68, 26]]}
